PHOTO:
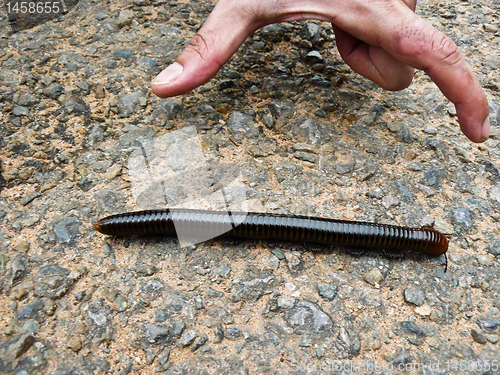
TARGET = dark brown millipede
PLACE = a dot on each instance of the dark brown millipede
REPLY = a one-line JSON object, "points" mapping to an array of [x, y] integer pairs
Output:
{"points": [[250, 225]]}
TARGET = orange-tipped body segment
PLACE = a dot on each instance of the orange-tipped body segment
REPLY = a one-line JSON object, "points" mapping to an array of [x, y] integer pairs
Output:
{"points": [[97, 227], [441, 247]]}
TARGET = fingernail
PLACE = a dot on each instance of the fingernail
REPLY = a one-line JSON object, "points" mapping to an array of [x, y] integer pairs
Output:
{"points": [[485, 130], [169, 75]]}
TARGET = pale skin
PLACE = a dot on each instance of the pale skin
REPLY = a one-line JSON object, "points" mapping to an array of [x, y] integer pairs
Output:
{"points": [[383, 40]]}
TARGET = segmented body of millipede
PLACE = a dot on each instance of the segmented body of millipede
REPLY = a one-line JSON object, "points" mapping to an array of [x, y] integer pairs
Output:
{"points": [[211, 224]]}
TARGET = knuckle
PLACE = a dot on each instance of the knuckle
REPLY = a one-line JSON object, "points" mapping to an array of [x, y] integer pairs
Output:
{"points": [[425, 50], [447, 51], [198, 44]]}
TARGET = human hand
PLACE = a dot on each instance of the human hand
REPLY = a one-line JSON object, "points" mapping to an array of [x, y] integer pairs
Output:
{"points": [[381, 40]]}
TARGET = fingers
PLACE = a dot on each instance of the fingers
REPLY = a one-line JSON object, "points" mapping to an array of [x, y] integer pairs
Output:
{"points": [[373, 62], [214, 44]]}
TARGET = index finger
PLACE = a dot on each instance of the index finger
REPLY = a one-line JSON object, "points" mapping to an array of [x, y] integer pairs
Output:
{"points": [[415, 42], [420, 45]]}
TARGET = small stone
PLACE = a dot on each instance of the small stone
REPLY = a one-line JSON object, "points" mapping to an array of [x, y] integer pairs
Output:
{"points": [[148, 64], [80, 295], [427, 221], [484, 260], [150, 356], [17, 293], [278, 253], [320, 81], [160, 315], [198, 302], [327, 291], [164, 356], [314, 57], [232, 332], [145, 270], [225, 84], [395, 127], [443, 226], [373, 277], [271, 261], [31, 326], [28, 198], [75, 343], [18, 268], [494, 248], [305, 44], [416, 297], [389, 200], [17, 348], [304, 156], [219, 333], [187, 338], [100, 92], [478, 336], [121, 303], [254, 90], [31, 311], [202, 341], [53, 91], [490, 28], [21, 111], [125, 18], [424, 310], [224, 270], [375, 193], [156, 334], [320, 351], [286, 302], [463, 217], [179, 327]]}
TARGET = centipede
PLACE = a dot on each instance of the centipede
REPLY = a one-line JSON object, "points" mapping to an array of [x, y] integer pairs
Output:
{"points": [[266, 226]]}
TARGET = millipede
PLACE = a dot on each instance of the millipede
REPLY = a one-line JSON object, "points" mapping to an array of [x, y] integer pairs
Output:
{"points": [[250, 225]]}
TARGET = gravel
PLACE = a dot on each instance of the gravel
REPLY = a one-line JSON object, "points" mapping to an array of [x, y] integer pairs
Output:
{"points": [[304, 135]]}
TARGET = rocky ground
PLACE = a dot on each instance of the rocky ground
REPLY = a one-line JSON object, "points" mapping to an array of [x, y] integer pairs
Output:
{"points": [[306, 136]]}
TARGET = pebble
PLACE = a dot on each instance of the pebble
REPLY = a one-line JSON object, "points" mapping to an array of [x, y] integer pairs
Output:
{"points": [[232, 333], [225, 84], [308, 318], [156, 334], [389, 201], [416, 297], [314, 57], [187, 338], [20, 110], [304, 156], [478, 337], [327, 291], [124, 18], [18, 346], [320, 81], [18, 268], [31, 311], [53, 91], [463, 217], [145, 270], [373, 277]]}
